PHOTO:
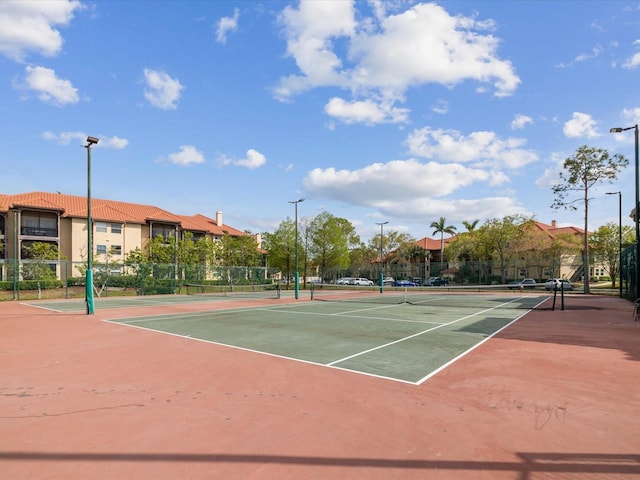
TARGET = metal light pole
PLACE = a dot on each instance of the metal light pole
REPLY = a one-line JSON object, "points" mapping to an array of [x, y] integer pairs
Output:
{"points": [[635, 206], [89, 278], [297, 277], [619, 237], [382, 224]]}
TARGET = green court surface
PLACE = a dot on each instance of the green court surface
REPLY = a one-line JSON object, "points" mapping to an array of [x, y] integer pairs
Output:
{"points": [[404, 342]]}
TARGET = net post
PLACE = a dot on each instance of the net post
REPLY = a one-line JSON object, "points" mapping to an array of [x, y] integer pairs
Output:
{"points": [[561, 296], [555, 294]]}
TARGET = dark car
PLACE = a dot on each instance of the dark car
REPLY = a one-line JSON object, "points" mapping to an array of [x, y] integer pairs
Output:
{"points": [[521, 284], [404, 283]]}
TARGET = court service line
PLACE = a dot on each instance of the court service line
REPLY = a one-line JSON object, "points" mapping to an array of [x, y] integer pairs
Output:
{"points": [[400, 340], [346, 315]]}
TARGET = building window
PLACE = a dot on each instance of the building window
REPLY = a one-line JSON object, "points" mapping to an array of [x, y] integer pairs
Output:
{"points": [[164, 231], [101, 249], [101, 227], [39, 224], [116, 249], [116, 228]]}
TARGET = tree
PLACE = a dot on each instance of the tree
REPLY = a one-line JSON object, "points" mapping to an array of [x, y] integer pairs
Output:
{"points": [[330, 239], [561, 247], [392, 241], [586, 168], [605, 246], [241, 251], [280, 246], [470, 226], [413, 253], [40, 255], [501, 238], [192, 255], [441, 227]]}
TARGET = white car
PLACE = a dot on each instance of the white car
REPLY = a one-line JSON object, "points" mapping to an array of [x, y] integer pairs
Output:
{"points": [[343, 281], [558, 284], [365, 282]]}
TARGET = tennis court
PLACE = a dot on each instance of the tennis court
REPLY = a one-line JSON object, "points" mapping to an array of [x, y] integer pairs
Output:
{"points": [[396, 336], [554, 395]]}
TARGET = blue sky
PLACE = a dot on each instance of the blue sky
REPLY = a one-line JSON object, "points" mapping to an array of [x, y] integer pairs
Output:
{"points": [[397, 111]]}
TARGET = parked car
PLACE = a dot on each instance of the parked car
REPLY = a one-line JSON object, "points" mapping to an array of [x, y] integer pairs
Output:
{"points": [[387, 281], [559, 284], [437, 281], [524, 283], [404, 283], [417, 280], [365, 282], [343, 281]]}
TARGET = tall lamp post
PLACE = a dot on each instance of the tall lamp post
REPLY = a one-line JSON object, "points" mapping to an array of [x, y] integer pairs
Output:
{"points": [[297, 277], [635, 206], [619, 237], [382, 224], [89, 278]]}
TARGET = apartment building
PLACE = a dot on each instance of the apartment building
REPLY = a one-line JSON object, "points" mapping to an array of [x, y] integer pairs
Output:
{"points": [[528, 264], [117, 227]]}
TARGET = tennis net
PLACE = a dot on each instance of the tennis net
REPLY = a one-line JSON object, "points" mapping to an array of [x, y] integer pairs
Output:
{"points": [[483, 296], [235, 291]]}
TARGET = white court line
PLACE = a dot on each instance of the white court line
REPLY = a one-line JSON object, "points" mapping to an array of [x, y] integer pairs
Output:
{"points": [[400, 340]]}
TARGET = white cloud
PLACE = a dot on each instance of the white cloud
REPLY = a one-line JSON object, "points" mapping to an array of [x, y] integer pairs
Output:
{"points": [[310, 30], [49, 87], [480, 149], [395, 180], [253, 160], [65, 138], [631, 115], [384, 56], [634, 60], [187, 155], [162, 91], [441, 107], [114, 142], [411, 189], [551, 174], [520, 121], [225, 25], [30, 26], [580, 125], [366, 111], [595, 52]]}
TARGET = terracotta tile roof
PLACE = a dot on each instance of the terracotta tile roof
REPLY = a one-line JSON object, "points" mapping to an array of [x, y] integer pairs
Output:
{"points": [[72, 206], [200, 223], [431, 244], [553, 230]]}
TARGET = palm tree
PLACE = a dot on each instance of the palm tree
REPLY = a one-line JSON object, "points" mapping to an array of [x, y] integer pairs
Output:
{"points": [[441, 227], [470, 226]]}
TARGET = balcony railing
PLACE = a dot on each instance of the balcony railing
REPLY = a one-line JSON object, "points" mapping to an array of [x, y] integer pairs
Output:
{"points": [[39, 231]]}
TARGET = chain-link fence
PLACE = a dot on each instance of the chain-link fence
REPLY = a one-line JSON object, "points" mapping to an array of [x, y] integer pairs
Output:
{"points": [[28, 279], [629, 272], [477, 272]]}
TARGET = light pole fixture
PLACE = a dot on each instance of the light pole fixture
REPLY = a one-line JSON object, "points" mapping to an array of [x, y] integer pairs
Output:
{"points": [[89, 274], [297, 274], [619, 238], [382, 224], [635, 206]]}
